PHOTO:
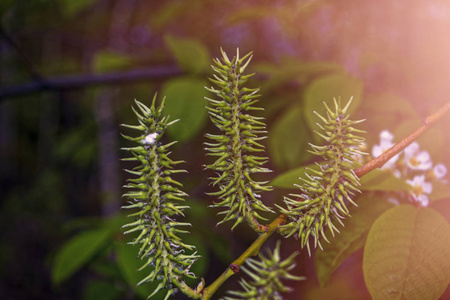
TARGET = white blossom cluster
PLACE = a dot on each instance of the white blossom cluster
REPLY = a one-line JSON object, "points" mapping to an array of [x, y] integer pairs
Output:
{"points": [[413, 165]]}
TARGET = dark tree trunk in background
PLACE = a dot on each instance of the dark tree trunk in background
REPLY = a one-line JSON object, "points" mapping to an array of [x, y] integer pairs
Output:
{"points": [[107, 125], [108, 157]]}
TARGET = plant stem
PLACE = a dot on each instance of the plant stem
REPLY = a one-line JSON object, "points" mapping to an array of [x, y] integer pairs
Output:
{"points": [[253, 250], [387, 155]]}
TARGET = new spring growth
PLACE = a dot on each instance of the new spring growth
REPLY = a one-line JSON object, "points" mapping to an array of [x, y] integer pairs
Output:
{"points": [[267, 274], [158, 202], [324, 194], [235, 148]]}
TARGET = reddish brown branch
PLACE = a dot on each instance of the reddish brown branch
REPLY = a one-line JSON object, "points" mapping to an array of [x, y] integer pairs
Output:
{"points": [[383, 158]]}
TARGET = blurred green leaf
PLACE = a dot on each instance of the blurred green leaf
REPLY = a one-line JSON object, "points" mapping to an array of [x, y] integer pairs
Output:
{"points": [[106, 61], [440, 191], [191, 55], [386, 111], [351, 237], [291, 177], [389, 104], [407, 254], [293, 69], [83, 141], [170, 11], [129, 263], [324, 89], [5, 6], [380, 180], [247, 14], [77, 252], [73, 7], [100, 290], [200, 266], [288, 140], [198, 215], [185, 101]]}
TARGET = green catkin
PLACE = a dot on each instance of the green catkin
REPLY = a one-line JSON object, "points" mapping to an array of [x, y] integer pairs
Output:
{"points": [[238, 194], [157, 200], [323, 197], [267, 274]]}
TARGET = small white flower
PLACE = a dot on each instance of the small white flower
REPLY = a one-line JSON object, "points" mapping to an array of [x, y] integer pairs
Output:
{"points": [[386, 135], [393, 201], [412, 149], [397, 173], [423, 200], [417, 160], [385, 143], [439, 171], [150, 139], [420, 189]]}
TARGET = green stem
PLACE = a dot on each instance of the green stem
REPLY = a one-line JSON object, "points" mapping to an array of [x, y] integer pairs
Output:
{"points": [[253, 250]]}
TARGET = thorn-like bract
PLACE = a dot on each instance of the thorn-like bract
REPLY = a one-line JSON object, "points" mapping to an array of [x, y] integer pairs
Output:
{"points": [[325, 193], [237, 192], [156, 197], [266, 276]]}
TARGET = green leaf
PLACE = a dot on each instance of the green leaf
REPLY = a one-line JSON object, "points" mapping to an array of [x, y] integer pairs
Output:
{"points": [[247, 14], [292, 69], [169, 12], [379, 180], [352, 237], [198, 214], [129, 263], [288, 140], [291, 177], [200, 266], [73, 7], [77, 252], [185, 100], [107, 61], [191, 55], [387, 111], [440, 191], [100, 290], [407, 254], [324, 89]]}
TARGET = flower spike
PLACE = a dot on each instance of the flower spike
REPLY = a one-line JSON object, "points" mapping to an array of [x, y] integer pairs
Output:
{"points": [[241, 134], [324, 195], [156, 199], [266, 274]]}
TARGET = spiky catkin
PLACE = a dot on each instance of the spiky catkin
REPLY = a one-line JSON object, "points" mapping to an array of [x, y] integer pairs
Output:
{"points": [[157, 197], [267, 275], [241, 134], [325, 192]]}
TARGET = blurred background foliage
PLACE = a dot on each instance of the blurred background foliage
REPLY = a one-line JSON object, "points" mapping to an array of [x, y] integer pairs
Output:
{"points": [[60, 175]]}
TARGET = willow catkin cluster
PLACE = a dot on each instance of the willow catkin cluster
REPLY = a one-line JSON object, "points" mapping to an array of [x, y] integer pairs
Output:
{"points": [[238, 194], [267, 274], [324, 194], [157, 199]]}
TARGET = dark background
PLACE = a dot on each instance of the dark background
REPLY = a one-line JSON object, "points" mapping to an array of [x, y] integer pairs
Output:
{"points": [[69, 71]]}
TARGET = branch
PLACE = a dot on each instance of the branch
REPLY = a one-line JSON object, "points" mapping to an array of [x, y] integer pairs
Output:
{"points": [[253, 250], [81, 81], [209, 291], [387, 155]]}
